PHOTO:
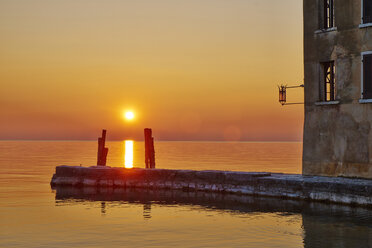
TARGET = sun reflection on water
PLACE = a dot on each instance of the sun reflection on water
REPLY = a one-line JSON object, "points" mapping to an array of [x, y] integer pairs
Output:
{"points": [[128, 157]]}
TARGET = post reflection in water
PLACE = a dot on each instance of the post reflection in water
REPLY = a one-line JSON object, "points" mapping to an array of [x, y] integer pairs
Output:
{"points": [[147, 210], [128, 157], [103, 208]]}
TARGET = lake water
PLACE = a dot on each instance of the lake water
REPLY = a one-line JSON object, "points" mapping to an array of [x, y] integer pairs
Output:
{"points": [[34, 215]]}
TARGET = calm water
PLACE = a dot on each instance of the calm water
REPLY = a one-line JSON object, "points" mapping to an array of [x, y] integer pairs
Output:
{"points": [[34, 215]]}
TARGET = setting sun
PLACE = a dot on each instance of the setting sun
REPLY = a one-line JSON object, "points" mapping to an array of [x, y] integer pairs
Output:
{"points": [[129, 115]]}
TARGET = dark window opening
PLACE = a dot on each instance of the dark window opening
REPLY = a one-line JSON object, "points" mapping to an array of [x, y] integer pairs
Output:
{"points": [[367, 76], [329, 81], [367, 11], [329, 18]]}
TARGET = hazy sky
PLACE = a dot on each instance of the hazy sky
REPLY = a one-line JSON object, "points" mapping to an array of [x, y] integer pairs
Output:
{"points": [[190, 69]]}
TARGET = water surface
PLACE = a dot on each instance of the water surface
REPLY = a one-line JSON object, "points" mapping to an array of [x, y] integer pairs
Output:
{"points": [[34, 215]]}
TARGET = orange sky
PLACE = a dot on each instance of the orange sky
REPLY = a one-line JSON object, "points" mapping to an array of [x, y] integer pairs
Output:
{"points": [[190, 69]]}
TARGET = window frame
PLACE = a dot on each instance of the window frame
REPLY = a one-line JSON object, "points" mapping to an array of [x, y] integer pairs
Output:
{"points": [[362, 99], [363, 23], [332, 83], [328, 21], [322, 17]]}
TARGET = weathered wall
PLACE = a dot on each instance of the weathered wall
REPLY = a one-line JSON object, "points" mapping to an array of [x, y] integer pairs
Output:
{"points": [[338, 190], [337, 137]]}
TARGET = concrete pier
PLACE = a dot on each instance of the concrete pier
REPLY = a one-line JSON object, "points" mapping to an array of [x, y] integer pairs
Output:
{"points": [[291, 186]]}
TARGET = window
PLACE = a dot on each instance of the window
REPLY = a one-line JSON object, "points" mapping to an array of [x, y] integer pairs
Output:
{"points": [[328, 81], [328, 15], [367, 76], [367, 11]]}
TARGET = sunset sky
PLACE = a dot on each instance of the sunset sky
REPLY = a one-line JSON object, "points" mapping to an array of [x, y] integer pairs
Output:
{"points": [[188, 69]]}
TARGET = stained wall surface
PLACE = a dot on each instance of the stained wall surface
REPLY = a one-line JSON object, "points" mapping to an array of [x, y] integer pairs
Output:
{"points": [[337, 135]]}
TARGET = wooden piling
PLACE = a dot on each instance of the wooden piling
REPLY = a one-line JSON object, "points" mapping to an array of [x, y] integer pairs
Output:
{"points": [[102, 150], [149, 149]]}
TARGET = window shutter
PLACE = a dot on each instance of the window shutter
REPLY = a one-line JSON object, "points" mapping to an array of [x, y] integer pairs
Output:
{"points": [[367, 76], [367, 11]]}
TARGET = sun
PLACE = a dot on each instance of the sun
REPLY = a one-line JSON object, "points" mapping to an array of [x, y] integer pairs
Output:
{"points": [[129, 115]]}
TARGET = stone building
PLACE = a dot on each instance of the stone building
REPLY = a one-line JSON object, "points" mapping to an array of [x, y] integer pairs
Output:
{"points": [[338, 88]]}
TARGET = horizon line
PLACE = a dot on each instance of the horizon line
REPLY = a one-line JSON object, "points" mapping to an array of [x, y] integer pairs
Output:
{"points": [[217, 141]]}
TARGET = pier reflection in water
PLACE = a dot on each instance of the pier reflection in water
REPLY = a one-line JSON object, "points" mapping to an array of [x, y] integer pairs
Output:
{"points": [[323, 225]]}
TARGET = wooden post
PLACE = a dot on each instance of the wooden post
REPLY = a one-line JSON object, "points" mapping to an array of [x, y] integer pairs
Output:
{"points": [[148, 134], [149, 149], [102, 150], [152, 154]]}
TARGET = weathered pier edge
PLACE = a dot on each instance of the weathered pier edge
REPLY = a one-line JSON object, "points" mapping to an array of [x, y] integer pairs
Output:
{"points": [[315, 188]]}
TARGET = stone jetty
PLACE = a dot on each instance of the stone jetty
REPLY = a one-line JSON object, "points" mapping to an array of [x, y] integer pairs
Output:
{"points": [[290, 186]]}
